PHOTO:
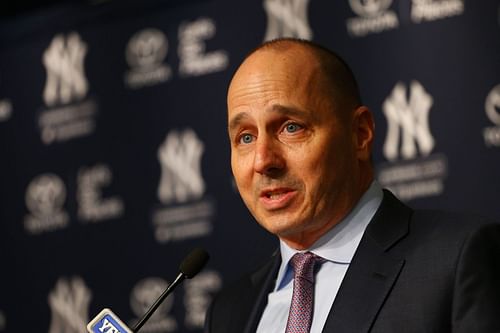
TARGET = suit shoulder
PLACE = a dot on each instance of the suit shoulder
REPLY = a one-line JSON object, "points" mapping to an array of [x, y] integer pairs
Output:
{"points": [[449, 230], [450, 221], [233, 305], [236, 290]]}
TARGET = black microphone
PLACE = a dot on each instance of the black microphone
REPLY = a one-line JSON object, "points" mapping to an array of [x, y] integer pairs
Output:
{"points": [[107, 322]]}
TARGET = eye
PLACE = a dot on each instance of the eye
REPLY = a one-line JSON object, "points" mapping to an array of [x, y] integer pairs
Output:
{"points": [[292, 127], [246, 138]]}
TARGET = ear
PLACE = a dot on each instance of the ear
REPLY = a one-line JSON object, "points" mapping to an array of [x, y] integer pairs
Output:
{"points": [[364, 131]]}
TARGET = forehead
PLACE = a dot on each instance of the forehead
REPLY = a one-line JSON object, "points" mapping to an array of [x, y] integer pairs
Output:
{"points": [[287, 65], [270, 77]]}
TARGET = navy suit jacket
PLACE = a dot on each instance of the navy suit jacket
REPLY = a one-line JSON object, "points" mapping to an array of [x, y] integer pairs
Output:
{"points": [[414, 271]]}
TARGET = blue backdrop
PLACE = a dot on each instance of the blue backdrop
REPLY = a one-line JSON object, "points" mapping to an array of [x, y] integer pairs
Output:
{"points": [[114, 153]]}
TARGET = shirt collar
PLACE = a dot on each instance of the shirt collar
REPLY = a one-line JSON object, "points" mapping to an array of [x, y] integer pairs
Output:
{"points": [[339, 244]]}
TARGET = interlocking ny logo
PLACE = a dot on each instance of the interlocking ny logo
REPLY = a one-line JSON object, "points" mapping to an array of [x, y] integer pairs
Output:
{"points": [[180, 159], [408, 119], [63, 62], [69, 302], [369, 8], [287, 18]]}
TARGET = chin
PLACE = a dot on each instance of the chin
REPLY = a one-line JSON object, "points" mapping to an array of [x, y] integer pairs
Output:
{"points": [[282, 228]]}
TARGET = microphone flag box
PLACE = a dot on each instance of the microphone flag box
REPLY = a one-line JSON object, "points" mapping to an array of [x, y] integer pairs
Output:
{"points": [[107, 322]]}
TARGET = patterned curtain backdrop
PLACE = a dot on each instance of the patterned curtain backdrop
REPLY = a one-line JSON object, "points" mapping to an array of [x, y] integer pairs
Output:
{"points": [[115, 157]]}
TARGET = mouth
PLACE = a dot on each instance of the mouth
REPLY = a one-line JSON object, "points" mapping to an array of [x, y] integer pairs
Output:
{"points": [[277, 198], [275, 194]]}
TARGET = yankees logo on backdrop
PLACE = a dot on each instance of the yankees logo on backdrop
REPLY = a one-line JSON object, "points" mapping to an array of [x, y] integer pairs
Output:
{"points": [[287, 18], [63, 60], [69, 113], [185, 211], [408, 120], [180, 157], [69, 303], [412, 171]]}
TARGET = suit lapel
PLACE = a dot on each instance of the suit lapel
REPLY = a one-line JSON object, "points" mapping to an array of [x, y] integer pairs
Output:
{"points": [[262, 283], [372, 272]]}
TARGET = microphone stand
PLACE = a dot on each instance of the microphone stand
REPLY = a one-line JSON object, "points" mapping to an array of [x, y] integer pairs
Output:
{"points": [[157, 303]]}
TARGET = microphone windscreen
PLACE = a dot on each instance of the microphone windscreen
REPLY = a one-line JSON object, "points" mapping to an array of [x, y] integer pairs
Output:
{"points": [[194, 262]]}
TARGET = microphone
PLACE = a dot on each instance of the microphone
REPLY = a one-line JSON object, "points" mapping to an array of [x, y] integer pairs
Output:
{"points": [[107, 322]]}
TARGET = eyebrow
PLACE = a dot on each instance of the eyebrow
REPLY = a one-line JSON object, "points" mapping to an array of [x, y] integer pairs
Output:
{"points": [[275, 108], [237, 120]]}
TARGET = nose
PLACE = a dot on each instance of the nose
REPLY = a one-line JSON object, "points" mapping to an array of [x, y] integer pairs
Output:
{"points": [[269, 159]]}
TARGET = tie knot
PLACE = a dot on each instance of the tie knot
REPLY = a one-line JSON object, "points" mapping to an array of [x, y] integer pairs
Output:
{"points": [[304, 264]]}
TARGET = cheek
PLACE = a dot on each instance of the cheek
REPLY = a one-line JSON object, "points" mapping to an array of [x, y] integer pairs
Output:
{"points": [[314, 172], [322, 173], [242, 176], [240, 169]]}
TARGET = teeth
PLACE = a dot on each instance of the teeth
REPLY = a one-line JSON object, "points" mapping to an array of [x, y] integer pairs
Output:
{"points": [[274, 195]]}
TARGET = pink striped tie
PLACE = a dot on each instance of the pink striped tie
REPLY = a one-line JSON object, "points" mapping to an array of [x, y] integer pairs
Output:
{"points": [[301, 308]]}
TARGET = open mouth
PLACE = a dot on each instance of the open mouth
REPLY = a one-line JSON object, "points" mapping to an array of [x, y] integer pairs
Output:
{"points": [[277, 198], [274, 195]]}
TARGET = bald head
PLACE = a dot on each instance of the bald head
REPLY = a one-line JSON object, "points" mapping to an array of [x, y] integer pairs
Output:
{"points": [[336, 77]]}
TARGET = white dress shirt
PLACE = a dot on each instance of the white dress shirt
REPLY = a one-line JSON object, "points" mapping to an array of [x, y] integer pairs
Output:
{"points": [[337, 247]]}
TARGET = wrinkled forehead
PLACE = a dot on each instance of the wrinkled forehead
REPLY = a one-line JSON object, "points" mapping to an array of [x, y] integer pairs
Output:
{"points": [[293, 71]]}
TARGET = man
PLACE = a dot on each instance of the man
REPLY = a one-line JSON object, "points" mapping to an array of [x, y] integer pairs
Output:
{"points": [[301, 146]]}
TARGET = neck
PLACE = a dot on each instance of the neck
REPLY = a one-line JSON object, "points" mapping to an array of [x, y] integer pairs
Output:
{"points": [[305, 239]]}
